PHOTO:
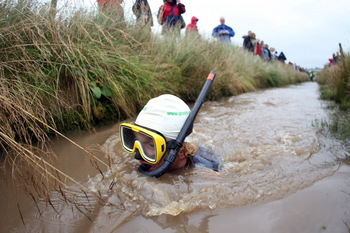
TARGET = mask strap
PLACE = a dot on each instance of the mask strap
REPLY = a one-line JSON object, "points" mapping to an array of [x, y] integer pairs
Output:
{"points": [[173, 144]]}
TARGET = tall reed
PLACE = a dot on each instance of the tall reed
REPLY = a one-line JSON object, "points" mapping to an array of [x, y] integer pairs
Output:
{"points": [[336, 81], [335, 85]]}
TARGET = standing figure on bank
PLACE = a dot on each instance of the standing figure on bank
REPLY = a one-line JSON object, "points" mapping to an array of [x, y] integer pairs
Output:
{"points": [[192, 29], [258, 50], [143, 13], [248, 41], [282, 58], [312, 76], [169, 16], [223, 32], [266, 52]]}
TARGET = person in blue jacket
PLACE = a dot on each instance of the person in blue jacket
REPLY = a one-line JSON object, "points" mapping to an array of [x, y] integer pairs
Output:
{"points": [[223, 32], [155, 130]]}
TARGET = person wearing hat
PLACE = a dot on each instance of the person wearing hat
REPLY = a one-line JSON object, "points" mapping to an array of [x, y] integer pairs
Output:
{"points": [[170, 16], [155, 131], [192, 28]]}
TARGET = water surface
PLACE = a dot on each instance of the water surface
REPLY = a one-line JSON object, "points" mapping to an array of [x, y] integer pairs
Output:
{"points": [[274, 156]]}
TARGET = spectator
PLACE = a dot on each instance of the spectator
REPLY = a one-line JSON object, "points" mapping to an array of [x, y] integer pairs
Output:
{"points": [[245, 36], [266, 52], [274, 55], [247, 42], [169, 15], [295, 67], [331, 61], [312, 76], [254, 42], [143, 13], [282, 58], [335, 58], [223, 32], [258, 48], [192, 28]]}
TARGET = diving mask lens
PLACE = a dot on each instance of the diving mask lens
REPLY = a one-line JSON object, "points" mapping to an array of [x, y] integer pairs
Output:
{"points": [[150, 145]]}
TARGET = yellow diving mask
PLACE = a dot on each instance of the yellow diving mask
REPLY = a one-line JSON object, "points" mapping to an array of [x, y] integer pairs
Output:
{"points": [[151, 145]]}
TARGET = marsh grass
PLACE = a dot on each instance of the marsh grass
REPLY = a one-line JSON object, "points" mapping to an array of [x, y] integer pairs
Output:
{"points": [[335, 85], [74, 73], [335, 81]]}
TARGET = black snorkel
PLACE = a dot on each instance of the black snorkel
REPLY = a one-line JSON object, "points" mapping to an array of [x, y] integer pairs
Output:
{"points": [[185, 131]]}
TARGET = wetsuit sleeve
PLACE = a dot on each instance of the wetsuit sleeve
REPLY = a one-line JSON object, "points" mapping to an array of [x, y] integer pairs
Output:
{"points": [[207, 158]]}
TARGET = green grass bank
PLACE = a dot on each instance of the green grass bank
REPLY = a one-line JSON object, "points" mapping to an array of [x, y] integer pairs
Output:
{"points": [[335, 86]]}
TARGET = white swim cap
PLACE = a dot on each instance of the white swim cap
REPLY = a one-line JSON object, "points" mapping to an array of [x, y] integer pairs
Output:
{"points": [[165, 114]]}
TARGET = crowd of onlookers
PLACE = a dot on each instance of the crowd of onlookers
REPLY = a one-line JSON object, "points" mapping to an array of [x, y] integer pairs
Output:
{"points": [[169, 16], [267, 53], [334, 59]]}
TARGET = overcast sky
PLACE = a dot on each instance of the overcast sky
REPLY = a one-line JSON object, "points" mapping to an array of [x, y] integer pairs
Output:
{"points": [[307, 31]]}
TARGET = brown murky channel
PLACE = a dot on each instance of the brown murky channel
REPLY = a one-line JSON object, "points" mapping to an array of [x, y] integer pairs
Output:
{"points": [[280, 174]]}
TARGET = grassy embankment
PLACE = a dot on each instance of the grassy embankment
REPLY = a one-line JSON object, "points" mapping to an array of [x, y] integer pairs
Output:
{"points": [[335, 85], [74, 74]]}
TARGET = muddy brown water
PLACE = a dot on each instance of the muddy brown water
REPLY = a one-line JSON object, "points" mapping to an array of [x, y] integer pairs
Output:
{"points": [[280, 174]]}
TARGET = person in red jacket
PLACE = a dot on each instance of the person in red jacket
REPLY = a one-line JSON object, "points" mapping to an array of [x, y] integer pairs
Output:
{"points": [[192, 28], [170, 15], [258, 50]]}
